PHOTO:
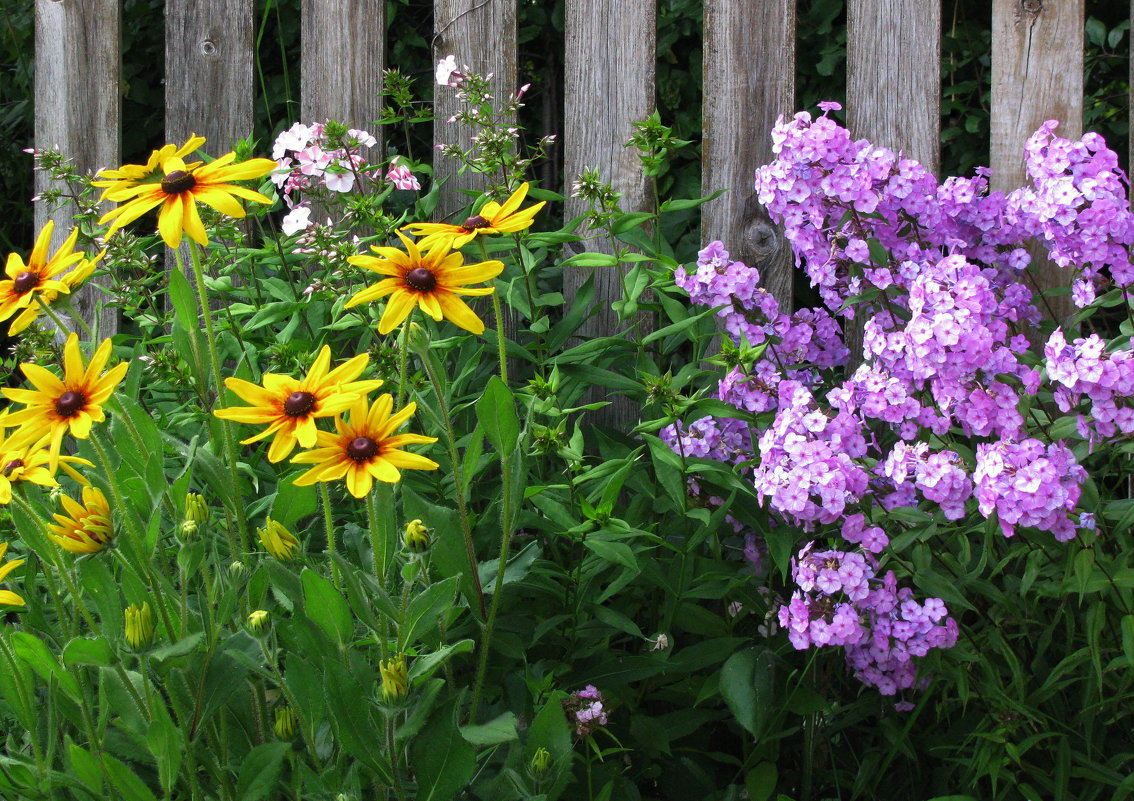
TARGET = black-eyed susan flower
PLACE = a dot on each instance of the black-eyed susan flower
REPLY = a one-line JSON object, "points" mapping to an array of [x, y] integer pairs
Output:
{"points": [[364, 448], [277, 540], [178, 192], [289, 406], [116, 183], [493, 218], [139, 622], [7, 596], [42, 279], [26, 458], [72, 404], [88, 528], [432, 280]]}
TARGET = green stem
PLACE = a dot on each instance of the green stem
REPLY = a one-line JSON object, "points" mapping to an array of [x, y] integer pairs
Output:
{"points": [[403, 362], [458, 479], [226, 430], [329, 527]]}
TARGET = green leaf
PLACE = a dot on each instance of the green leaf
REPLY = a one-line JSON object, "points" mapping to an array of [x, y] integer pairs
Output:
{"points": [[84, 766], [323, 604], [34, 652], [260, 771], [443, 760], [348, 711], [746, 685], [183, 299], [292, 503], [129, 785], [496, 411], [164, 740], [84, 651], [590, 260], [426, 609], [500, 730], [617, 552], [761, 781]]}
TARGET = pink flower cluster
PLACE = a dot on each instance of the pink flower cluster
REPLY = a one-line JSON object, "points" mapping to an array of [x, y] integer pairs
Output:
{"points": [[841, 601], [585, 711], [940, 416]]}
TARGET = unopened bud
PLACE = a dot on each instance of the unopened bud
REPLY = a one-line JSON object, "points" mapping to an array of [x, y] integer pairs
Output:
{"points": [[196, 509], [236, 569], [285, 723], [139, 625], [395, 678], [258, 621], [277, 540], [416, 537], [419, 341], [541, 762], [187, 531], [659, 642]]}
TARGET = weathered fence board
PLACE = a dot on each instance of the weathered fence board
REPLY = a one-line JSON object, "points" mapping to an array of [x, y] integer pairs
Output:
{"points": [[344, 52], [208, 71], [482, 35], [78, 106], [1037, 75], [893, 75], [749, 62], [610, 66]]}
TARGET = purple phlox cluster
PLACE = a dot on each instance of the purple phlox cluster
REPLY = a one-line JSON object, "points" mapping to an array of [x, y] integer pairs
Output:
{"points": [[807, 469], [1084, 368], [585, 710], [1028, 483], [720, 438], [939, 476], [840, 601]]}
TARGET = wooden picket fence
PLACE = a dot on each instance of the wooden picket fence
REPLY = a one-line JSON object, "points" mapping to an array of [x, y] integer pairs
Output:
{"points": [[893, 86]]}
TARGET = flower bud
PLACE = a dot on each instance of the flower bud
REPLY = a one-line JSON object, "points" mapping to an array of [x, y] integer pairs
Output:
{"points": [[416, 537], [541, 762], [277, 540], [659, 642], [419, 341], [395, 678], [139, 625], [285, 723], [196, 509], [236, 569], [258, 621], [187, 531]]}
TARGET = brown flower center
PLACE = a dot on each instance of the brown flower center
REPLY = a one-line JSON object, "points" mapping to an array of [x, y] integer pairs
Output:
{"points": [[25, 282], [12, 467], [362, 449], [70, 403], [421, 279], [298, 404], [177, 182], [473, 223]]}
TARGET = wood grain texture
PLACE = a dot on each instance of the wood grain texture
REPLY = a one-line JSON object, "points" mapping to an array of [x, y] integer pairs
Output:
{"points": [[481, 34], [1037, 75], [609, 84], [77, 108], [344, 53], [749, 69], [893, 75], [208, 71]]}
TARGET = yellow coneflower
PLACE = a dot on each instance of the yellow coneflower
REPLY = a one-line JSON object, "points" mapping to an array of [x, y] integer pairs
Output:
{"points": [[88, 529], [180, 190], [115, 183], [432, 280], [365, 448], [72, 404], [494, 218], [7, 596], [289, 406], [41, 279], [23, 458]]}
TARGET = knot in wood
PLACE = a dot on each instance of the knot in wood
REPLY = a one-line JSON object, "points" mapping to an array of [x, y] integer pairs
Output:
{"points": [[1032, 7], [208, 47]]}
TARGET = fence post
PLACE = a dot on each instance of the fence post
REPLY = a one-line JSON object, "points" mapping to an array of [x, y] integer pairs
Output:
{"points": [[77, 108], [749, 69], [344, 53], [610, 66], [482, 35], [208, 71], [894, 87], [1037, 75]]}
